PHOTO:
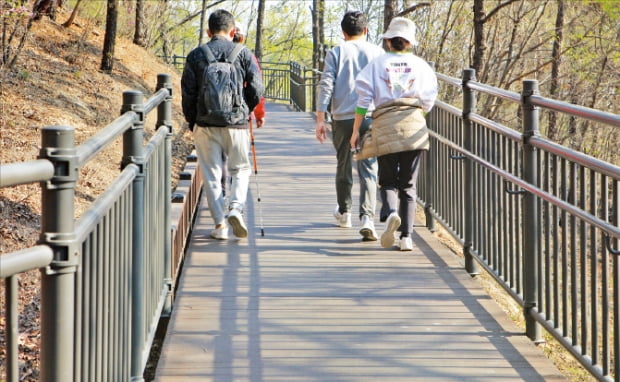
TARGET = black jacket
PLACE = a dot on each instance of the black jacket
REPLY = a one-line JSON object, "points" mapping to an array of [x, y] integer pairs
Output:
{"points": [[191, 81]]}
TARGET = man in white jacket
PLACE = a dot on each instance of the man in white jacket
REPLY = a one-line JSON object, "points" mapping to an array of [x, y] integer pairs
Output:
{"points": [[337, 86]]}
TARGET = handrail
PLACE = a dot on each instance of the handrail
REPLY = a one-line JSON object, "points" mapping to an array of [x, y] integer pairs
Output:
{"points": [[595, 221], [91, 147], [24, 260], [579, 111], [14, 174]]}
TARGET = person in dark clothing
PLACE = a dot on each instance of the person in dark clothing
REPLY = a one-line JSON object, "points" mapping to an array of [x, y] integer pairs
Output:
{"points": [[233, 140]]}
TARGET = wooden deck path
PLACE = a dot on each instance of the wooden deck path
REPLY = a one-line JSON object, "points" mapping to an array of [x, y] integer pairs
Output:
{"points": [[310, 302]]}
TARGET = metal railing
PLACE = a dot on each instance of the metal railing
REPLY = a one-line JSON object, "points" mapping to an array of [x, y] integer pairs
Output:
{"points": [[177, 62], [540, 218], [108, 277], [291, 82]]}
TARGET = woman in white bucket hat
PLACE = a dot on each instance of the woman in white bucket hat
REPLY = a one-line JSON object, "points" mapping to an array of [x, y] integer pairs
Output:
{"points": [[402, 86]]}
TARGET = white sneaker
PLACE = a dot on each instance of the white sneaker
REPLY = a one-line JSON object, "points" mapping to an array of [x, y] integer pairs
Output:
{"points": [[368, 229], [343, 220], [235, 219], [220, 233], [391, 225], [406, 244]]}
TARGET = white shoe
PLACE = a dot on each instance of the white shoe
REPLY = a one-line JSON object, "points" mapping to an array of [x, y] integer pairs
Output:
{"points": [[235, 219], [368, 229], [406, 244], [343, 220], [220, 233], [391, 225]]}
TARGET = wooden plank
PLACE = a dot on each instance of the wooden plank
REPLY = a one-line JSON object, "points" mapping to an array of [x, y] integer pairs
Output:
{"points": [[310, 302]]}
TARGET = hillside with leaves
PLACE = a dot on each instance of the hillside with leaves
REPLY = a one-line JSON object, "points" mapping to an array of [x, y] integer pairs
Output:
{"points": [[56, 81]]}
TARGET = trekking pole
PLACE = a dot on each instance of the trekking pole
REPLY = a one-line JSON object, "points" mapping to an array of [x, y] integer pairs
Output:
{"points": [[260, 212]]}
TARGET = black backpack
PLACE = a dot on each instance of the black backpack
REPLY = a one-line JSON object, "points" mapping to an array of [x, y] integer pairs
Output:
{"points": [[222, 90]]}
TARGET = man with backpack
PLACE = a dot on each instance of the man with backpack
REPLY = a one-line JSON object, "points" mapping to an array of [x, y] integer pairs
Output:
{"points": [[221, 85]]}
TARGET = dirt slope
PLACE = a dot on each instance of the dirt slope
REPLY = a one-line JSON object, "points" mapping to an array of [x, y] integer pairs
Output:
{"points": [[57, 81]]}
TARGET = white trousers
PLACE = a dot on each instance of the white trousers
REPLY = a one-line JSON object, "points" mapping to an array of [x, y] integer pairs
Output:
{"points": [[210, 143]]}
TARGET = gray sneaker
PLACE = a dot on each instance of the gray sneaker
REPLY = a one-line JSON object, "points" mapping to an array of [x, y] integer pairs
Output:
{"points": [[235, 219], [391, 225], [368, 229]]}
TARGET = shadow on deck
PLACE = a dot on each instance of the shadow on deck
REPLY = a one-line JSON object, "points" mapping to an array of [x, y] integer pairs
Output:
{"points": [[309, 301]]}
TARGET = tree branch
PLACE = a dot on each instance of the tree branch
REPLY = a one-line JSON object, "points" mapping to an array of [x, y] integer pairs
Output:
{"points": [[413, 8], [494, 11], [185, 20]]}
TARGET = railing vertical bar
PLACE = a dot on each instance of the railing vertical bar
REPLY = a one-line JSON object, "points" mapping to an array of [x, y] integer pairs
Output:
{"points": [[583, 262], [555, 243], [543, 239], [605, 279], [101, 293], [594, 306], [573, 259], [519, 224], [91, 307], [616, 279], [512, 277], [107, 273], [126, 285], [80, 292], [503, 238], [545, 172], [110, 366], [566, 284], [11, 331]]}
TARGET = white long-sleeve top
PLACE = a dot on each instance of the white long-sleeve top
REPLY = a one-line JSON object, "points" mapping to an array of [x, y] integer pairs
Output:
{"points": [[396, 75]]}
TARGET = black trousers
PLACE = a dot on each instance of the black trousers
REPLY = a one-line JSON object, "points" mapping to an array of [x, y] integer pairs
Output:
{"points": [[398, 179]]}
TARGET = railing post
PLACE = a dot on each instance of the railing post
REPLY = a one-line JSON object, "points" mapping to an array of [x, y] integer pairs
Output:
{"points": [[469, 106], [531, 227], [429, 185], [164, 118], [133, 154], [58, 279]]}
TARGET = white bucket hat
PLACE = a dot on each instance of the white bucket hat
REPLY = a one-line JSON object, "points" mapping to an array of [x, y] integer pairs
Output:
{"points": [[401, 27]]}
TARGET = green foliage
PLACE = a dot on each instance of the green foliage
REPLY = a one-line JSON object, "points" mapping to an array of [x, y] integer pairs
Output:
{"points": [[611, 8], [287, 33]]}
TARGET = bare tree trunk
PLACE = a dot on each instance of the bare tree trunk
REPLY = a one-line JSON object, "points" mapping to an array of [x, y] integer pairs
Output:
{"points": [[480, 18], [71, 18], [203, 23], [258, 50], [109, 40], [389, 11], [321, 33], [140, 30], [479, 44], [317, 35], [556, 56]]}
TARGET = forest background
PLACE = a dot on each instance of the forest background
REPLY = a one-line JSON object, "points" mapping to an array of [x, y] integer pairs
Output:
{"points": [[75, 57], [571, 47]]}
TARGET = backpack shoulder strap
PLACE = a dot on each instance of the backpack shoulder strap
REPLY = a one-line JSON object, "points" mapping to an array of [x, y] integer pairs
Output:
{"points": [[235, 53], [208, 53]]}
